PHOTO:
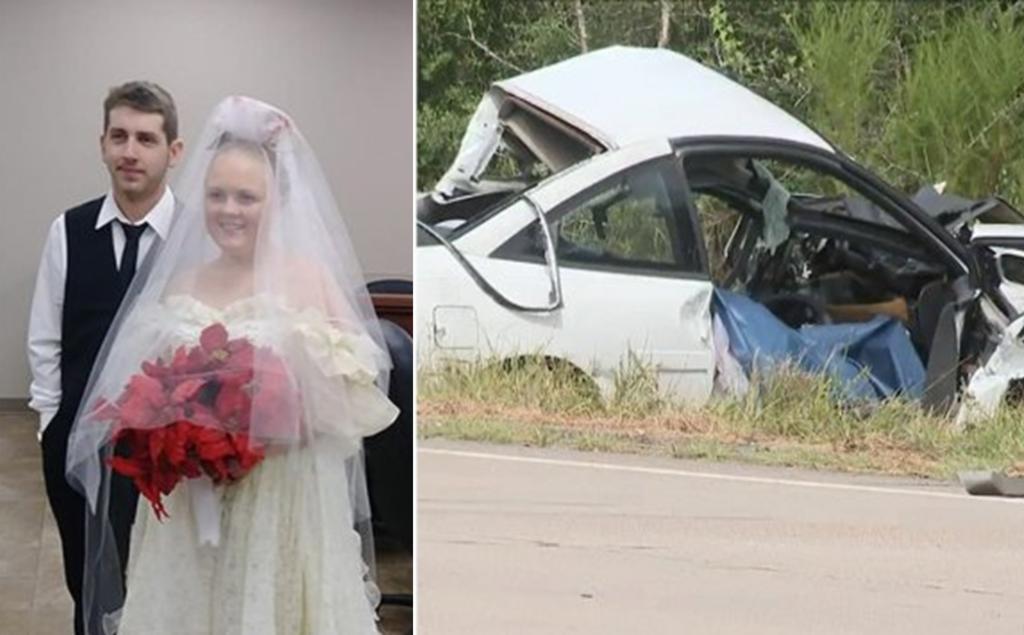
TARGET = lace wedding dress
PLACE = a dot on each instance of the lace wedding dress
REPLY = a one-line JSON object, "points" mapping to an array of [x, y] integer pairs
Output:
{"points": [[286, 559]]}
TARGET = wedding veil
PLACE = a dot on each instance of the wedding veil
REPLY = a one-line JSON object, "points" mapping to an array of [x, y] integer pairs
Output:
{"points": [[284, 282]]}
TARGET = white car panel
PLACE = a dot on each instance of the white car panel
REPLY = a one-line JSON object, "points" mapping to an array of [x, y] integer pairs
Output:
{"points": [[620, 95], [606, 315], [664, 321]]}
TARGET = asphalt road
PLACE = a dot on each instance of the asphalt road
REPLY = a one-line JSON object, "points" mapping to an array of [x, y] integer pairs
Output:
{"points": [[515, 540]]}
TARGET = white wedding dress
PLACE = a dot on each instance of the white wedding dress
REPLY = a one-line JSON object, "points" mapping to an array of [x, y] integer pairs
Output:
{"points": [[287, 559]]}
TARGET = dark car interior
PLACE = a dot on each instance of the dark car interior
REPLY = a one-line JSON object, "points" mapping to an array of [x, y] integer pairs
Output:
{"points": [[833, 265]]}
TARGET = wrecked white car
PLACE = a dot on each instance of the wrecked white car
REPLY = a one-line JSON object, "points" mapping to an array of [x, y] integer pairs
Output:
{"points": [[634, 201]]}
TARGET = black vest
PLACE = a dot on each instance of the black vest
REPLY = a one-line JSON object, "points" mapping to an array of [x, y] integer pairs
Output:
{"points": [[92, 295]]}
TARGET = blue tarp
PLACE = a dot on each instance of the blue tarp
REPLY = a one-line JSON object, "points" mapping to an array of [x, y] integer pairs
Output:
{"points": [[870, 360]]}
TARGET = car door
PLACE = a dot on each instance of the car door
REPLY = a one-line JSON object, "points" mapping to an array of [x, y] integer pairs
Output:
{"points": [[599, 265]]}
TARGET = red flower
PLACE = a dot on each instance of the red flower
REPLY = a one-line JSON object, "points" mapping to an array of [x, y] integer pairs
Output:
{"points": [[241, 355], [191, 416], [156, 370], [186, 391], [197, 360], [127, 467], [179, 363], [213, 338], [233, 403], [142, 398]]}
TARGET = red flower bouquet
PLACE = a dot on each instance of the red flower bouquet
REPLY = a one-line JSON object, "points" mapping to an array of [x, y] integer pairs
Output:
{"points": [[192, 415]]}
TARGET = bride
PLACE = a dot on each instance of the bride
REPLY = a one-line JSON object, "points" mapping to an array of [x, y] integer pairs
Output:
{"points": [[258, 275]]}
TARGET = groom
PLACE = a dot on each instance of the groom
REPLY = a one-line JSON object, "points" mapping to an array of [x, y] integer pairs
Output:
{"points": [[89, 258]]}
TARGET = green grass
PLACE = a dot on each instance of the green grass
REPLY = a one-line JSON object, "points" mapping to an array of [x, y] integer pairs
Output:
{"points": [[788, 418]]}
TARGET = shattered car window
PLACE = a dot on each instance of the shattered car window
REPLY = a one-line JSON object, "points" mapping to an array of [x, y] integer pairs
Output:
{"points": [[530, 148], [514, 164]]}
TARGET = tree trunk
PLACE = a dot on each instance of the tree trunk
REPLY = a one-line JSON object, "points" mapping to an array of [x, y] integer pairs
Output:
{"points": [[581, 25], [666, 21]]}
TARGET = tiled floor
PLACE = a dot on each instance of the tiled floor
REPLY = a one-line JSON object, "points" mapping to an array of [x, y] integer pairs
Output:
{"points": [[33, 599]]}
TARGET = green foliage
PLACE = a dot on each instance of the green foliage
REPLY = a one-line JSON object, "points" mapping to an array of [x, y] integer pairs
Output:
{"points": [[438, 132], [842, 46], [960, 106], [920, 91]]}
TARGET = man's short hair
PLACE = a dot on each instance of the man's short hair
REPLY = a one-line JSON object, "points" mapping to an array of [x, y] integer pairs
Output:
{"points": [[144, 97]]}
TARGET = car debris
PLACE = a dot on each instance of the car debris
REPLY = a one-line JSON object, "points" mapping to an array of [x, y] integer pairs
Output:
{"points": [[632, 201]]}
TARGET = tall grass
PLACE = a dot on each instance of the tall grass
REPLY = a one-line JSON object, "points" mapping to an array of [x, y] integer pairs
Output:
{"points": [[528, 382], [959, 110], [949, 107], [796, 416], [843, 45]]}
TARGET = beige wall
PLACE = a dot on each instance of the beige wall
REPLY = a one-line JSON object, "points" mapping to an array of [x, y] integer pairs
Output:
{"points": [[343, 69]]}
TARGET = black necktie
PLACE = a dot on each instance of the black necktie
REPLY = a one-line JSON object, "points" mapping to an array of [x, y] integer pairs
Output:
{"points": [[130, 254]]}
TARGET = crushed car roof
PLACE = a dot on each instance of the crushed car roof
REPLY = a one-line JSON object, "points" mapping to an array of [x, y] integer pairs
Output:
{"points": [[619, 95]]}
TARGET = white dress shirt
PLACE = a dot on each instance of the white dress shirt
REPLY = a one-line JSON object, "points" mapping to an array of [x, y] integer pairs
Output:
{"points": [[44, 327]]}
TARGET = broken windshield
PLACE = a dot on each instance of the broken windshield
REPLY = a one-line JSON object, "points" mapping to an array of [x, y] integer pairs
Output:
{"points": [[508, 147]]}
